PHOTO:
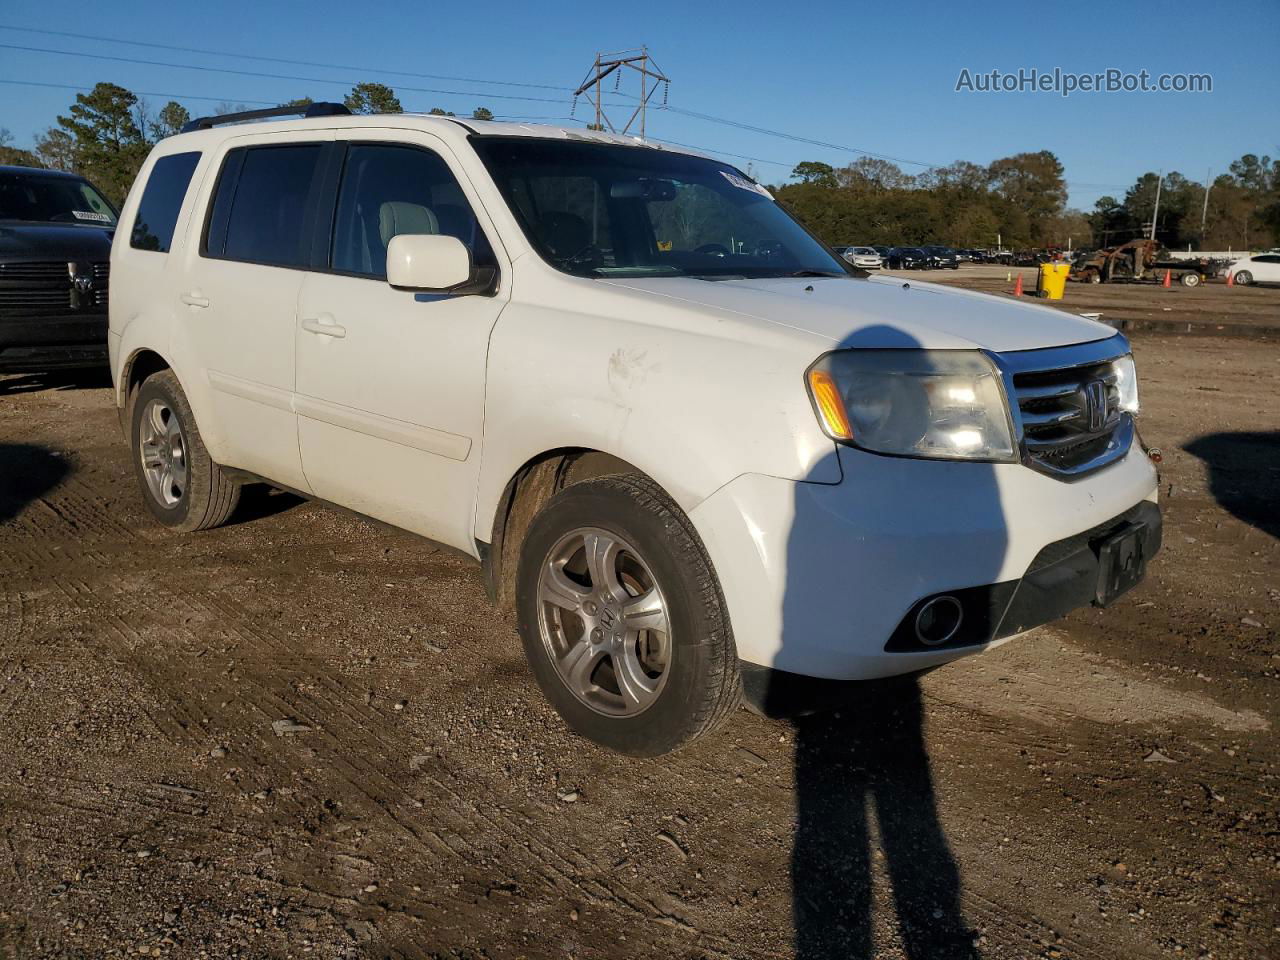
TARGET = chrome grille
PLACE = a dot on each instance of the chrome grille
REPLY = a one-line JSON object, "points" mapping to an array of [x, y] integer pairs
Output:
{"points": [[35, 272], [35, 298], [49, 287], [1070, 417]]}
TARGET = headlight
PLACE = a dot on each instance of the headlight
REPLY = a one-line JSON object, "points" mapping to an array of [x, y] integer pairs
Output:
{"points": [[1126, 384], [940, 404]]}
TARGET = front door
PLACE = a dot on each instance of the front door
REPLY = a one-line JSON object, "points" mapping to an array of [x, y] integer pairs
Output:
{"points": [[390, 383]]}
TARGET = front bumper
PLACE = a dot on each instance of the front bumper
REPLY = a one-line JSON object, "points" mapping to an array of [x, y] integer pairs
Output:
{"points": [[47, 343], [819, 577]]}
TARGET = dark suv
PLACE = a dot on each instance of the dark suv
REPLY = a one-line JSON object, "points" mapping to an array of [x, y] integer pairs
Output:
{"points": [[55, 248], [942, 257]]}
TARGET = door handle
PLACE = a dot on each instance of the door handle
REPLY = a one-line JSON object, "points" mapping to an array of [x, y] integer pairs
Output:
{"points": [[194, 299], [324, 326]]}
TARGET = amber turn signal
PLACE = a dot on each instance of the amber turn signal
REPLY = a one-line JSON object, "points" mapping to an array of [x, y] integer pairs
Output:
{"points": [[826, 397]]}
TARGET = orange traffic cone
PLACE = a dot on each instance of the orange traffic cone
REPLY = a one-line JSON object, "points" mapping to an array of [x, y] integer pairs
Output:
{"points": [[1231, 279], [1168, 279], [1017, 287]]}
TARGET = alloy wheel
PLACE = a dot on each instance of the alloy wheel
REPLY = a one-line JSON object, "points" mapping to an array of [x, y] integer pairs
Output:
{"points": [[604, 622], [163, 450]]}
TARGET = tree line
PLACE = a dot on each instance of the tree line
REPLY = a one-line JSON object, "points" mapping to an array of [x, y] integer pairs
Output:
{"points": [[1022, 200], [107, 133]]}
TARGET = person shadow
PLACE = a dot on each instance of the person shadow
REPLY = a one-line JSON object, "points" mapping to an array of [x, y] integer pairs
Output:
{"points": [[1244, 473], [27, 472], [890, 533]]}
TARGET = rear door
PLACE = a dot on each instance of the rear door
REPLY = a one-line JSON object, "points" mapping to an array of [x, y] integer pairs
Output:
{"points": [[238, 299], [390, 383]]}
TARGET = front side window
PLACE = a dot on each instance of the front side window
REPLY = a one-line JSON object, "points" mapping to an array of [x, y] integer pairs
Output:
{"points": [[600, 210], [388, 190], [41, 198], [161, 201], [260, 210]]}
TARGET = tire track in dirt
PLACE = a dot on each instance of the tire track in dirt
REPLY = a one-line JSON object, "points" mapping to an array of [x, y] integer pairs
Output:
{"points": [[557, 867], [365, 779], [272, 661]]}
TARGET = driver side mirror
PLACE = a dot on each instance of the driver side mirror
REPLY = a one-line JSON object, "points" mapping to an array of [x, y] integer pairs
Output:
{"points": [[429, 262]]}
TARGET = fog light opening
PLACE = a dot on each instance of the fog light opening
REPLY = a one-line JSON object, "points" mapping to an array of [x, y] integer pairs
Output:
{"points": [[938, 620]]}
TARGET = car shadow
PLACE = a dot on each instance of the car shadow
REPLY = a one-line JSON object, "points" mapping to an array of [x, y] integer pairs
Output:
{"points": [[258, 501], [865, 798], [27, 472], [1244, 473], [89, 378]]}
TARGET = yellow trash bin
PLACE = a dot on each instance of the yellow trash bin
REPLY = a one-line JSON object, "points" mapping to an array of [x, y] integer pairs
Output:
{"points": [[1053, 280]]}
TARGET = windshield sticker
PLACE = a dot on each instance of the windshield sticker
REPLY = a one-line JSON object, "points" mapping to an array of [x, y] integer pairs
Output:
{"points": [[87, 215], [742, 183]]}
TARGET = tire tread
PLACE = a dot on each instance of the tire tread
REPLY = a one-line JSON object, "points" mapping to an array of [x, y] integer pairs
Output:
{"points": [[722, 694], [222, 493]]}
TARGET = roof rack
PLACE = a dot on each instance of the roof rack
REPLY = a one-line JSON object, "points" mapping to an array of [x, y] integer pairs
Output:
{"points": [[303, 110]]}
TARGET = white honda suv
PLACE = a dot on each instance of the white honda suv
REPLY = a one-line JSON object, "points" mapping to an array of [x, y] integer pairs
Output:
{"points": [[698, 456]]}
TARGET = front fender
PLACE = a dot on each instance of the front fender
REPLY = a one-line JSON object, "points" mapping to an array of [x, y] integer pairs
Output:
{"points": [[693, 402]]}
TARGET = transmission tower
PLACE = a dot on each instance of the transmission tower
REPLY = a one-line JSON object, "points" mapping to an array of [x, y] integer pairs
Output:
{"points": [[615, 64]]}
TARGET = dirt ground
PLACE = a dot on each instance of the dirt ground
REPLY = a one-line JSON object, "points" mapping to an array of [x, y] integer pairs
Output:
{"points": [[307, 735], [1212, 308]]}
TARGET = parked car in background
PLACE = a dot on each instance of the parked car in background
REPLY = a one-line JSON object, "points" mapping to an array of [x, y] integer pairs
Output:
{"points": [[1259, 268], [503, 337], [864, 257], [55, 249], [908, 258], [941, 258]]}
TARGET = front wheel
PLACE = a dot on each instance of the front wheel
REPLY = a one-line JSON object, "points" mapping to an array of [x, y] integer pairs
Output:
{"points": [[1244, 277], [181, 485], [1190, 279], [622, 618]]}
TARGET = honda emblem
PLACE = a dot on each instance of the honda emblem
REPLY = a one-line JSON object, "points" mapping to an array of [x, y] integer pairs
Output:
{"points": [[1095, 405]]}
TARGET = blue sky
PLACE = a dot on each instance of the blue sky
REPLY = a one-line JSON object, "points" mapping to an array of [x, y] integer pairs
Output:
{"points": [[878, 77]]}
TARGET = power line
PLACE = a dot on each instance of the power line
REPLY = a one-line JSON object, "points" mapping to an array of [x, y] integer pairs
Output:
{"points": [[710, 118], [798, 139], [296, 63], [272, 76], [141, 93], [694, 114], [235, 100]]}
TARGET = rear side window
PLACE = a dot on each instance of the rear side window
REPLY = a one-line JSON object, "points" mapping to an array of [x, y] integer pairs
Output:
{"points": [[260, 209], [161, 200]]}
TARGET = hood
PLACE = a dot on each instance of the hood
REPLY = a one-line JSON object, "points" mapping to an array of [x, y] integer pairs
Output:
{"points": [[884, 312], [24, 240]]}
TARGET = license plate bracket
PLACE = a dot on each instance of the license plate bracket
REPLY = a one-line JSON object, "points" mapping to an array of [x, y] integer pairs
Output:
{"points": [[1122, 562]]}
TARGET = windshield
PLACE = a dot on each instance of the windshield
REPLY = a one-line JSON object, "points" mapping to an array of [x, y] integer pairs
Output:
{"points": [[600, 210], [49, 199]]}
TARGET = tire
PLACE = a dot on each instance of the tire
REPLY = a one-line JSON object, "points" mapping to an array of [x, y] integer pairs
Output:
{"points": [[1244, 277], [181, 485], [1190, 279], [682, 674]]}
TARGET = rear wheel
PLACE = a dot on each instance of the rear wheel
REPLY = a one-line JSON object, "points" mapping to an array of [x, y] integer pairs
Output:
{"points": [[622, 618], [181, 485], [1190, 279], [1244, 277]]}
